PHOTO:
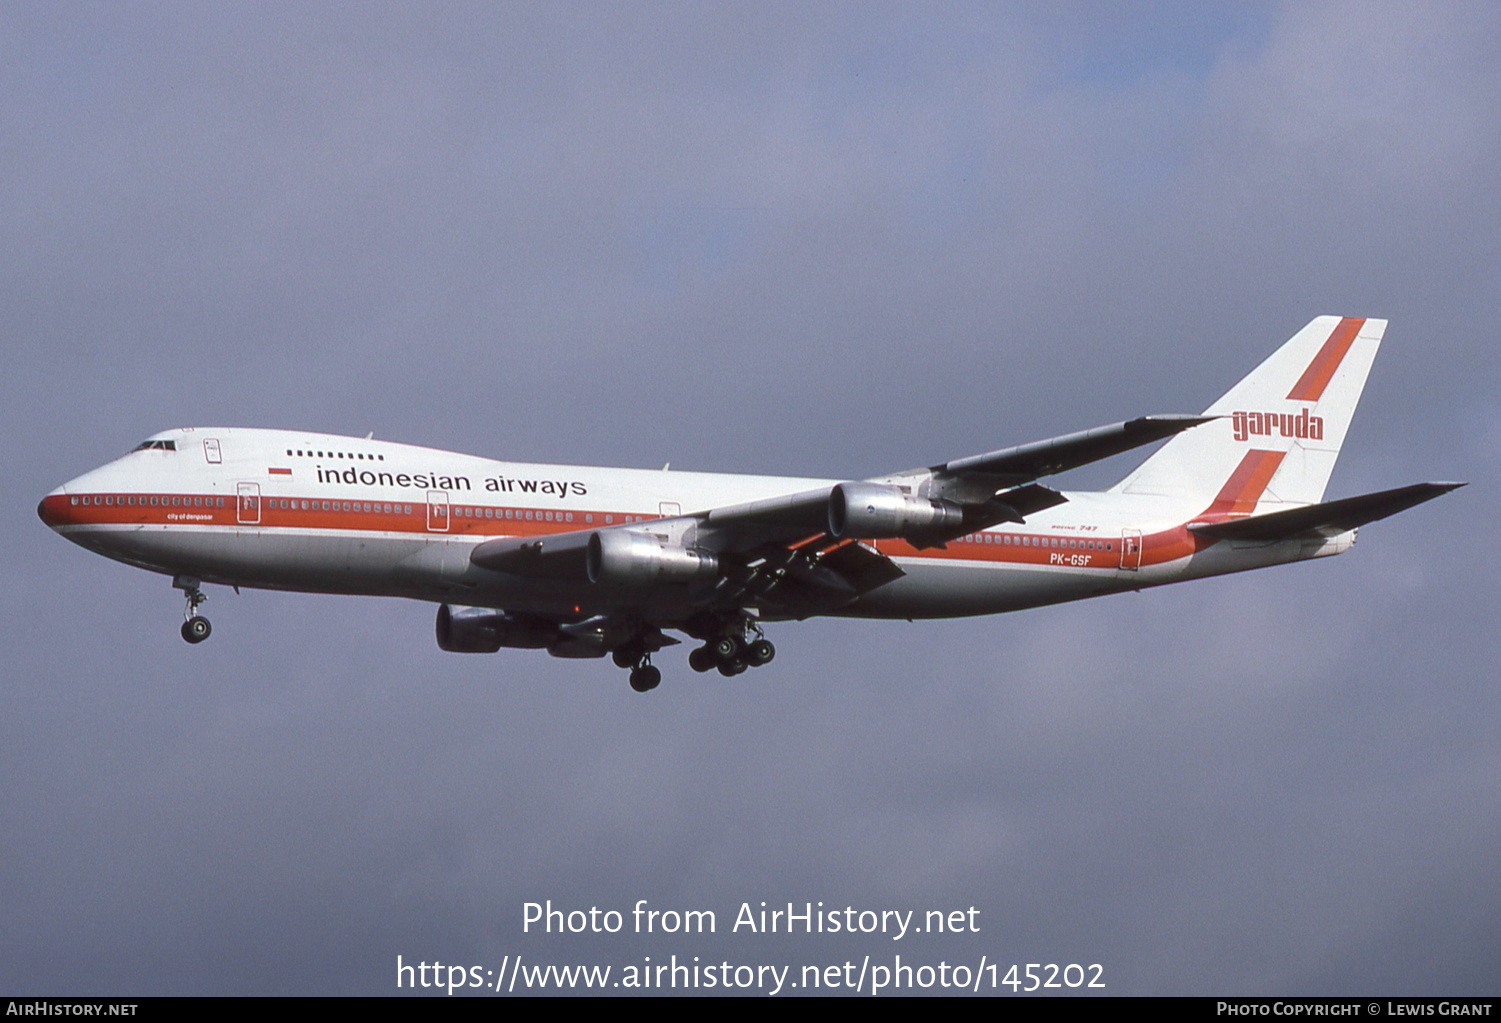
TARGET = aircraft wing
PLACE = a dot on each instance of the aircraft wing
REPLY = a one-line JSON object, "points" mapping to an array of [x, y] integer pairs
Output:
{"points": [[1027, 462], [941, 502], [555, 556], [1328, 518], [804, 551]]}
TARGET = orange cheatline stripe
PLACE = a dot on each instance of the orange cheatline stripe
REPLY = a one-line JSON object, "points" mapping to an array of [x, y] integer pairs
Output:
{"points": [[1310, 386], [1247, 483], [60, 510]]}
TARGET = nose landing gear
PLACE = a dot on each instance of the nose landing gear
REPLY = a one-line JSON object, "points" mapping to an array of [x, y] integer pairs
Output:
{"points": [[195, 627], [645, 676]]}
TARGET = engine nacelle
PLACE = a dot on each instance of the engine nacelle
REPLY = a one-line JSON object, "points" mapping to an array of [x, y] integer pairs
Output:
{"points": [[483, 630], [624, 557], [878, 511]]}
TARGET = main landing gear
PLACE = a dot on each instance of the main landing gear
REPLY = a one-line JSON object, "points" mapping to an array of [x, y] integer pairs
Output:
{"points": [[195, 627], [731, 654], [729, 647]]}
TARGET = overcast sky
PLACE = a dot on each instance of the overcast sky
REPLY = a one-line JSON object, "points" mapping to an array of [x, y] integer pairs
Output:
{"points": [[812, 239]]}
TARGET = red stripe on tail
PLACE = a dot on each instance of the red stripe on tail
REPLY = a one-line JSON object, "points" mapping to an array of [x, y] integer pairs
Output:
{"points": [[1310, 386], [1246, 484]]}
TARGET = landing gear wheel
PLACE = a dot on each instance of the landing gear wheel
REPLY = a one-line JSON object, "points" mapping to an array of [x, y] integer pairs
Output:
{"points": [[760, 652], [196, 629], [732, 669], [626, 657], [727, 649], [702, 659], [646, 678]]}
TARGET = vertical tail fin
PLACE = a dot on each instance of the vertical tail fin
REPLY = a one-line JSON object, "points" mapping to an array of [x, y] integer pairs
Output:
{"points": [[1297, 404]]}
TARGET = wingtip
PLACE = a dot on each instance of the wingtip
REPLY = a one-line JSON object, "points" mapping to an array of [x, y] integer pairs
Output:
{"points": [[1185, 419], [1165, 424]]}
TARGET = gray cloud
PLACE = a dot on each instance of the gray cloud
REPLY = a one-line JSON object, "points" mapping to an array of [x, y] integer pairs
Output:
{"points": [[828, 240]]}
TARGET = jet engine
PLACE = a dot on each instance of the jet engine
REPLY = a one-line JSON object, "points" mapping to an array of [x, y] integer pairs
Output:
{"points": [[878, 511], [625, 557], [483, 630]]}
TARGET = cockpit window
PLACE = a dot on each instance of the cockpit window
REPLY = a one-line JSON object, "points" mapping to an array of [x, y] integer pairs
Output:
{"points": [[156, 445]]}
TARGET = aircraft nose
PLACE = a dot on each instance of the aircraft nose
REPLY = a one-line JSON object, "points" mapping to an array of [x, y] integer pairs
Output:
{"points": [[52, 509]]}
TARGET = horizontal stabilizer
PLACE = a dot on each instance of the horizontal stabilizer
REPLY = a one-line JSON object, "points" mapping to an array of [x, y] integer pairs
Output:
{"points": [[1330, 518]]}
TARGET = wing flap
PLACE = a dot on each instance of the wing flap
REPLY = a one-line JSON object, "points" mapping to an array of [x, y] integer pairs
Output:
{"points": [[812, 578], [1008, 506], [861, 567]]}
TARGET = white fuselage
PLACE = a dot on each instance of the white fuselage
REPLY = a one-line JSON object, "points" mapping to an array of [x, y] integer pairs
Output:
{"points": [[285, 510]]}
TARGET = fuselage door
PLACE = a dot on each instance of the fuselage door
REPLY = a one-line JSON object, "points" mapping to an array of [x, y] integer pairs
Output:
{"points": [[248, 504], [1130, 549], [669, 509], [211, 450], [437, 511]]}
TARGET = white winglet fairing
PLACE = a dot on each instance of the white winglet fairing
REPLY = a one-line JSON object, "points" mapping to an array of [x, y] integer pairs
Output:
{"points": [[594, 562]]}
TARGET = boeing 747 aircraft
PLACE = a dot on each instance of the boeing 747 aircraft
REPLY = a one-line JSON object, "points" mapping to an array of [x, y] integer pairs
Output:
{"points": [[589, 562]]}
